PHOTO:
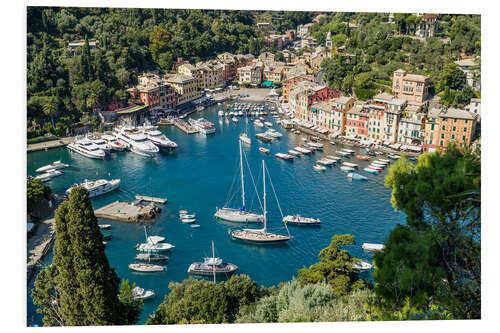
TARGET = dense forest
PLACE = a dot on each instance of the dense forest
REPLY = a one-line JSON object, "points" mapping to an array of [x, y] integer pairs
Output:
{"points": [[65, 87], [380, 48]]}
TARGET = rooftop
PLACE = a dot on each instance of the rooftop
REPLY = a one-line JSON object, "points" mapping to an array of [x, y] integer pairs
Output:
{"points": [[383, 97], [456, 113], [466, 62], [179, 78], [342, 99], [416, 77]]}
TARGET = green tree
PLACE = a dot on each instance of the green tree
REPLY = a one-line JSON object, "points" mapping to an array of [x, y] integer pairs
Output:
{"points": [[50, 109], [86, 71], [79, 288], [203, 302], [452, 77], [132, 307], [36, 191], [335, 266], [159, 39], [441, 196]]}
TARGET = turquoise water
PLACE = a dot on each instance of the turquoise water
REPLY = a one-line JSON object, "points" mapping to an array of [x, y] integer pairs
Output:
{"points": [[197, 177]]}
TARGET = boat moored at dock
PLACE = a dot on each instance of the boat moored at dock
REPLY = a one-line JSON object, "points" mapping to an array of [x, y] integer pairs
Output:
{"points": [[138, 142], [86, 148], [97, 187], [45, 177], [56, 165], [202, 125], [286, 157]]}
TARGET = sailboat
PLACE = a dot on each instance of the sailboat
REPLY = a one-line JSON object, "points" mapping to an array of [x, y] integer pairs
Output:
{"points": [[212, 266], [261, 235], [238, 214], [153, 244]]}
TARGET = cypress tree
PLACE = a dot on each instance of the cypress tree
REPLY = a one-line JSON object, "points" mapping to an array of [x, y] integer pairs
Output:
{"points": [[79, 288], [98, 282], [85, 62]]}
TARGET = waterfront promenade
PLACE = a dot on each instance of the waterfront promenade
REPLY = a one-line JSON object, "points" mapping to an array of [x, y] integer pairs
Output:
{"points": [[49, 144]]}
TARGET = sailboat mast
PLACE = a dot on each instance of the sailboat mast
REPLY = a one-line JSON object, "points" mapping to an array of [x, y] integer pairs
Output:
{"points": [[264, 182], [242, 180], [213, 258]]}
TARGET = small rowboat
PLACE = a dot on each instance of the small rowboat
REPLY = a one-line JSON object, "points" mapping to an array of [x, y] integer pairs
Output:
{"points": [[264, 150], [104, 226], [346, 168], [195, 226], [188, 220], [294, 152], [371, 170], [363, 157], [187, 216]]}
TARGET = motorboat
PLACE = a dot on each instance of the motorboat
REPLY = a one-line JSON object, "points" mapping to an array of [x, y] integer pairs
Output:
{"points": [[202, 125], [356, 176], [86, 148], [212, 266], [318, 167], [333, 157], [146, 267], [187, 216], [234, 119], [151, 257], [372, 247], [346, 168], [115, 143], [348, 151], [159, 139], [45, 177], [343, 153], [185, 220], [326, 161], [99, 142], [294, 152], [264, 137], [332, 143], [371, 170], [153, 245], [302, 150], [97, 187], [352, 165], [268, 124], [104, 226], [138, 142], [264, 150], [245, 139], [194, 226], [298, 219], [394, 157], [142, 294], [375, 167], [238, 214], [362, 266], [56, 165], [261, 236], [316, 145], [221, 113], [273, 133], [284, 156]]}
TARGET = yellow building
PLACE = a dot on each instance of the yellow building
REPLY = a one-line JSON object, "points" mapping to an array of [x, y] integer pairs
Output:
{"points": [[185, 86]]}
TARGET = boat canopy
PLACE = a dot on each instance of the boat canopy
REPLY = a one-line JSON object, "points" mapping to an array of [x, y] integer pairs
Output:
{"points": [[155, 239], [213, 261]]}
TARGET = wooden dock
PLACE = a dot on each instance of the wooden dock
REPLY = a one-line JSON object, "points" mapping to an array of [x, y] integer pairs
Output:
{"points": [[151, 199]]}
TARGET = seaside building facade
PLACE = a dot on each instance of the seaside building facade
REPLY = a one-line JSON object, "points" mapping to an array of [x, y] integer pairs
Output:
{"points": [[185, 86], [357, 119]]}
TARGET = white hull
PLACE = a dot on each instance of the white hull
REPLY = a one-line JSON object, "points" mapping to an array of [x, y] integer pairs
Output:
{"points": [[99, 190], [236, 215], [91, 154]]}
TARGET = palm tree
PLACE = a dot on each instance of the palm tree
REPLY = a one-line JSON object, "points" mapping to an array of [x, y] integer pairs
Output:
{"points": [[49, 109]]}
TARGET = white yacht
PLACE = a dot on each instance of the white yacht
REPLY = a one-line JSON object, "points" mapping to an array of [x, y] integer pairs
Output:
{"points": [[86, 148], [298, 219], [153, 244], [99, 142], [202, 125], [97, 187], [138, 142], [45, 177], [141, 293], [115, 143], [54, 166], [239, 214], [159, 139], [245, 139]]}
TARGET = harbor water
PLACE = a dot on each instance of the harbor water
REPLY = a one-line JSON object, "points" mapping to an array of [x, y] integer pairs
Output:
{"points": [[197, 177]]}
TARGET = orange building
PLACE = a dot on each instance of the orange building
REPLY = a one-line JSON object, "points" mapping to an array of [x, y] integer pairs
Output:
{"points": [[448, 125], [410, 87]]}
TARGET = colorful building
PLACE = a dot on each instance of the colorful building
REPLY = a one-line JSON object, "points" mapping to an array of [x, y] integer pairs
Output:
{"points": [[411, 126], [306, 93], [449, 125], [185, 86], [357, 121], [410, 87]]}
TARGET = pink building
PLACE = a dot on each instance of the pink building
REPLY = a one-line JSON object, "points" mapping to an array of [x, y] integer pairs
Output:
{"points": [[410, 87]]}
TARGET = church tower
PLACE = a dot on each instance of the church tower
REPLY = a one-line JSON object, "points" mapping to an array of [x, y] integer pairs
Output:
{"points": [[329, 44]]}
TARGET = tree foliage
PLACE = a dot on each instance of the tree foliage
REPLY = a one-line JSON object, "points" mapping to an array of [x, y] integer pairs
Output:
{"points": [[335, 266], [436, 258], [36, 191], [79, 288], [203, 302]]}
